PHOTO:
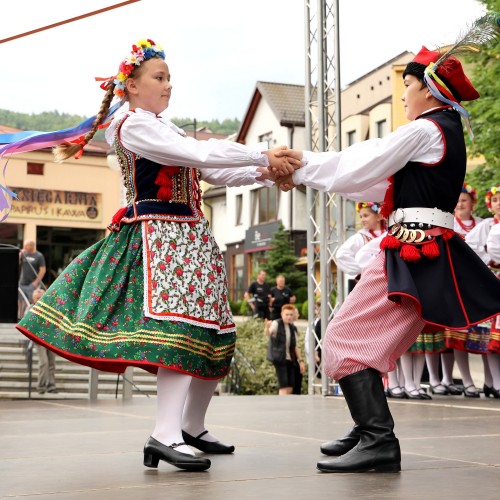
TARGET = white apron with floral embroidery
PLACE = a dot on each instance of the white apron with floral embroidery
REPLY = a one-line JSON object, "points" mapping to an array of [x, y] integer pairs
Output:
{"points": [[184, 275]]}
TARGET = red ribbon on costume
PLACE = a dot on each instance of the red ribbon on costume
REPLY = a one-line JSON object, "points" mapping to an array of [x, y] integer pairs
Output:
{"points": [[106, 82]]}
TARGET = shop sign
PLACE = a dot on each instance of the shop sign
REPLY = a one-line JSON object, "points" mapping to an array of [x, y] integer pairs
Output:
{"points": [[258, 238], [54, 204]]}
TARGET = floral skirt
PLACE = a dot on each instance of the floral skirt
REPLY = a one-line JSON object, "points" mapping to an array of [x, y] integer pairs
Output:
{"points": [[123, 303], [474, 340], [428, 343]]}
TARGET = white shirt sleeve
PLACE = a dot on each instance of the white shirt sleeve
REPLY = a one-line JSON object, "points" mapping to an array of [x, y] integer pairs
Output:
{"points": [[477, 237], [368, 252], [158, 140], [360, 172], [242, 176], [493, 243], [345, 257]]}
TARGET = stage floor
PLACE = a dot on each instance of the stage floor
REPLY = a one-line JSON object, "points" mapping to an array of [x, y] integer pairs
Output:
{"points": [[67, 449]]}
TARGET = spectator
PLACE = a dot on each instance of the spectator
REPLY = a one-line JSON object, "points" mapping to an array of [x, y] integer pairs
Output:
{"points": [[283, 351], [316, 338], [257, 296], [32, 271], [46, 359], [297, 373], [280, 295]]}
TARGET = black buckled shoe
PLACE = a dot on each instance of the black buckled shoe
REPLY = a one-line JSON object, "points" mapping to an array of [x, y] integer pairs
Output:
{"points": [[215, 447], [471, 391], [154, 451], [398, 395]]}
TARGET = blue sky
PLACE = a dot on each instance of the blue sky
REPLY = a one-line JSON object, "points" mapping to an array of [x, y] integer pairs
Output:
{"points": [[216, 50]]}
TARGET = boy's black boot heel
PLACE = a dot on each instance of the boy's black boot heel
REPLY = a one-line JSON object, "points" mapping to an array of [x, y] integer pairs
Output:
{"points": [[378, 448], [342, 445], [154, 451]]}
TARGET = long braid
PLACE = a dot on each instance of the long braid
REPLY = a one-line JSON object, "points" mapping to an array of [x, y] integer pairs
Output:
{"points": [[66, 150]]}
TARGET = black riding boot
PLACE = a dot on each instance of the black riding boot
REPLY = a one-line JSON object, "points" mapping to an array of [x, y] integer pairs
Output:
{"points": [[378, 447], [342, 445]]}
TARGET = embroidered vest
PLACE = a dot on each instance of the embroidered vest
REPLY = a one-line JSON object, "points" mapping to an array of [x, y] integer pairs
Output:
{"points": [[155, 191]]}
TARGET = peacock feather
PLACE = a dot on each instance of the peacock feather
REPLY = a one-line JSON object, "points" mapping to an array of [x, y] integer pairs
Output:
{"points": [[479, 34]]}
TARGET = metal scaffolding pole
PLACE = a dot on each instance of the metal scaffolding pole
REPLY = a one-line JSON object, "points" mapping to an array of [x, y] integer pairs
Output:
{"points": [[326, 212]]}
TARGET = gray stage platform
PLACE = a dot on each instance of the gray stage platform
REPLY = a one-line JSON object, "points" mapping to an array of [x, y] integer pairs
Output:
{"points": [[93, 450]]}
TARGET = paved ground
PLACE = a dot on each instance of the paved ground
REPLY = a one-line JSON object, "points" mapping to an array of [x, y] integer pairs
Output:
{"points": [[79, 450]]}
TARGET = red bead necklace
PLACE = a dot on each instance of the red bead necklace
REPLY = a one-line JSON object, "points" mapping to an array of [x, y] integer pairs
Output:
{"points": [[463, 226]]}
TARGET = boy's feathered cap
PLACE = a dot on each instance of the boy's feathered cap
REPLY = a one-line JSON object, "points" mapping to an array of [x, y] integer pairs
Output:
{"points": [[451, 79], [442, 72]]}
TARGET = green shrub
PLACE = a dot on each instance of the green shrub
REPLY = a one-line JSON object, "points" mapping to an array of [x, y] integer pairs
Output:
{"points": [[235, 307], [244, 308]]}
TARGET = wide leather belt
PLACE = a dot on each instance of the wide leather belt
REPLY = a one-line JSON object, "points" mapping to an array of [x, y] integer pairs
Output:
{"points": [[421, 216]]}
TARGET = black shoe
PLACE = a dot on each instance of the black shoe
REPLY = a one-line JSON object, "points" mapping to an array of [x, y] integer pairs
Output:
{"points": [[495, 393], [341, 446], [52, 389], [454, 389], [471, 393], [413, 394], [488, 391], [423, 393], [207, 446], [154, 451], [378, 448], [399, 395], [440, 390]]}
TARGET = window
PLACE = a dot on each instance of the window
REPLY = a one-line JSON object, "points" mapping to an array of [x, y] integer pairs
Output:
{"points": [[265, 205], [351, 137], [239, 209], [237, 277], [268, 139], [382, 128], [35, 168]]}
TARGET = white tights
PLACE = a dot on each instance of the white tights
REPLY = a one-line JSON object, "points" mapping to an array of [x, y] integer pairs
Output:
{"points": [[181, 403], [413, 367]]}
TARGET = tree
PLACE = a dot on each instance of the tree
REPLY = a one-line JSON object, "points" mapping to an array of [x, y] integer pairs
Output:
{"points": [[485, 113], [281, 260]]}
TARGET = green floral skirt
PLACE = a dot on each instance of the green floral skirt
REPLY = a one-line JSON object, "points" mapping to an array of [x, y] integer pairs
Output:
{"points": [[93, 314]]}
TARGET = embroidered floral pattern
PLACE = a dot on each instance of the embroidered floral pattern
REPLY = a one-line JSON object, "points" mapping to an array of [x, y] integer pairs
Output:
{"points": [[187, 278]]}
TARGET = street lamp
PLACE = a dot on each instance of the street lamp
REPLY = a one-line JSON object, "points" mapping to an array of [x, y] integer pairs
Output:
{"points": [[193, 123]]}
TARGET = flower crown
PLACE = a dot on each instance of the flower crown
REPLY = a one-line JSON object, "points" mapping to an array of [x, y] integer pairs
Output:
{"points": [[144, 50], [375, 207], [492, 192], [468, 189]]}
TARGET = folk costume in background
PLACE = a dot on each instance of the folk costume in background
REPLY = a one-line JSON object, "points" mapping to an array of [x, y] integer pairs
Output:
{"points": [[460, 343], [423, 278]]}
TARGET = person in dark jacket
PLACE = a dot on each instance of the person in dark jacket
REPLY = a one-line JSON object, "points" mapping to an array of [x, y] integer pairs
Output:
{"points": [[283, 351]]}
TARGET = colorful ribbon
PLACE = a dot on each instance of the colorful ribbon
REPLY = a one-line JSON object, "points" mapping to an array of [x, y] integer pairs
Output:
{"points": [[430, 77], [32, 140]]}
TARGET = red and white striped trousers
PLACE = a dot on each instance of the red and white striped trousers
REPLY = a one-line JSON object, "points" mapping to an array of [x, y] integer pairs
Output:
{"points": [[369, 330]]}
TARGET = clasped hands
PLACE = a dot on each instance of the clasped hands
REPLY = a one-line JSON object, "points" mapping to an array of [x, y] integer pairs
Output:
{"points": [[282, 164]]}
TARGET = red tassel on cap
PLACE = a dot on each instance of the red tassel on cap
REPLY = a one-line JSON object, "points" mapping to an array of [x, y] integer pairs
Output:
{"points": [[430, 249], [409, 253]]}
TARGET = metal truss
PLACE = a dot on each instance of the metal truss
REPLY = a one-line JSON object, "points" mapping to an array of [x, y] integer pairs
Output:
{"points": [[326, 211]]}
